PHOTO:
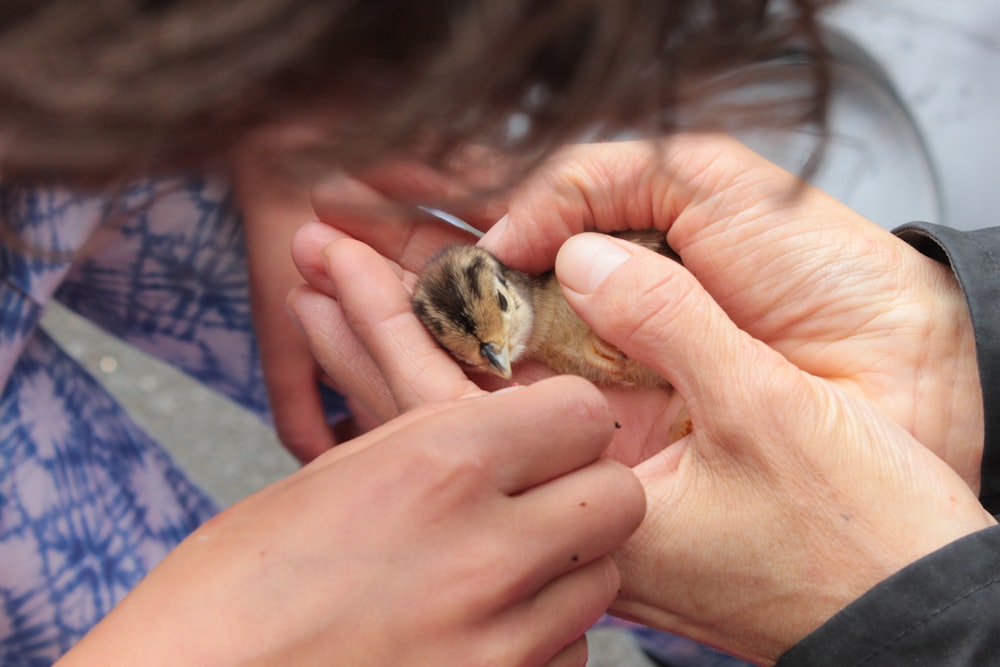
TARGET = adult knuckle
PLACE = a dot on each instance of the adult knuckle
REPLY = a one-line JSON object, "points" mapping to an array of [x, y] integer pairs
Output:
{"points": [[655, 300]]}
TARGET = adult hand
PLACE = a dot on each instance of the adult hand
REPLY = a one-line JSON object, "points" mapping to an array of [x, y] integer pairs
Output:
{"points": [[791, 498], [469, 532], [833, 293], [798, 334]]}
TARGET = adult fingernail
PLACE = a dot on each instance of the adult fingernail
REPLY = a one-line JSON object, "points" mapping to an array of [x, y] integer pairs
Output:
{"points": [[493, 238], [586, 260]]}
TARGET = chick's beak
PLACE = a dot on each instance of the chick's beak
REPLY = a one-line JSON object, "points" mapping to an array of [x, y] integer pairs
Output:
{"points": [[499, 358]]}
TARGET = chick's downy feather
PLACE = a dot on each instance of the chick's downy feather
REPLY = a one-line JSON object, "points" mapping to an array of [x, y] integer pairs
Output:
{"points": [[490, 316]]}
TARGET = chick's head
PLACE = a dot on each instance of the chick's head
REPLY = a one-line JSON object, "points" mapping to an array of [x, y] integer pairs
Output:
{"points": [[477, 308]]}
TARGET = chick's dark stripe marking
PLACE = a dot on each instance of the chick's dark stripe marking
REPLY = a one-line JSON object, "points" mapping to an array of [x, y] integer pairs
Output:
{"points": [[430, 321], [452, 301], [471, 272]]}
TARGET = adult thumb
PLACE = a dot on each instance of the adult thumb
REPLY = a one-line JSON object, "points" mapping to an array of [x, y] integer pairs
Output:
{"points": [[655, 311]]}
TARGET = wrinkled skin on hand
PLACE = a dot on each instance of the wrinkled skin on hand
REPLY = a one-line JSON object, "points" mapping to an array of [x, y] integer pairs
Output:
{"points": [[791, 498], [838, 296], [835, 294], [828, 369]]}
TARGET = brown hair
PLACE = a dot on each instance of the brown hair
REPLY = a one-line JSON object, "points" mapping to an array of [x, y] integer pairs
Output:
{"points": [[93, 91]]}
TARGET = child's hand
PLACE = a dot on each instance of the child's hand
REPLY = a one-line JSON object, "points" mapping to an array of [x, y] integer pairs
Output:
{"points": [[470, 532]]}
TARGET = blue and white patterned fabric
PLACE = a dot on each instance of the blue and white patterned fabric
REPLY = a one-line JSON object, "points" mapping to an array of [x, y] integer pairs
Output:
{"points": [[88, 502], [670, 650]]}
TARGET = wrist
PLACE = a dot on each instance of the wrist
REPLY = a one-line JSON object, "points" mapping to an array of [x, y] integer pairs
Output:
{"points": [[964, 344], [950, 377]]}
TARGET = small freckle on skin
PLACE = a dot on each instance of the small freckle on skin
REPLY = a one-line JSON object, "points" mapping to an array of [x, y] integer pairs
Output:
{"points": [[575, 558], [618, 424], [846, 517], [583, 503]]}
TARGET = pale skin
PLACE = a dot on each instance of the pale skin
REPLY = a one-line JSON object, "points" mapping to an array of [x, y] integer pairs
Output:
{"points": [[829, 371], [273, 208], [376, 553], [272, 212]]}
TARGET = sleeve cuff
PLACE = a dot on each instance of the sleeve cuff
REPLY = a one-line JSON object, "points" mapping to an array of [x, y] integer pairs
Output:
{"points": [[941, 610]]}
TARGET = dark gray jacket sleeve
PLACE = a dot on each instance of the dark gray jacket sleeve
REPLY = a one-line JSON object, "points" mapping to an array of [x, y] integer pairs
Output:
{"points": [[943, 610]]}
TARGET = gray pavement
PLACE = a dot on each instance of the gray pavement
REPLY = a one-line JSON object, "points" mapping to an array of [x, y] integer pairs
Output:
{"points": [[225, 448]]}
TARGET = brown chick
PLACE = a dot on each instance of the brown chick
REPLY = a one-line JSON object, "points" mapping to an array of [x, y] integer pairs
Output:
{"points": [[490, 316]]}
